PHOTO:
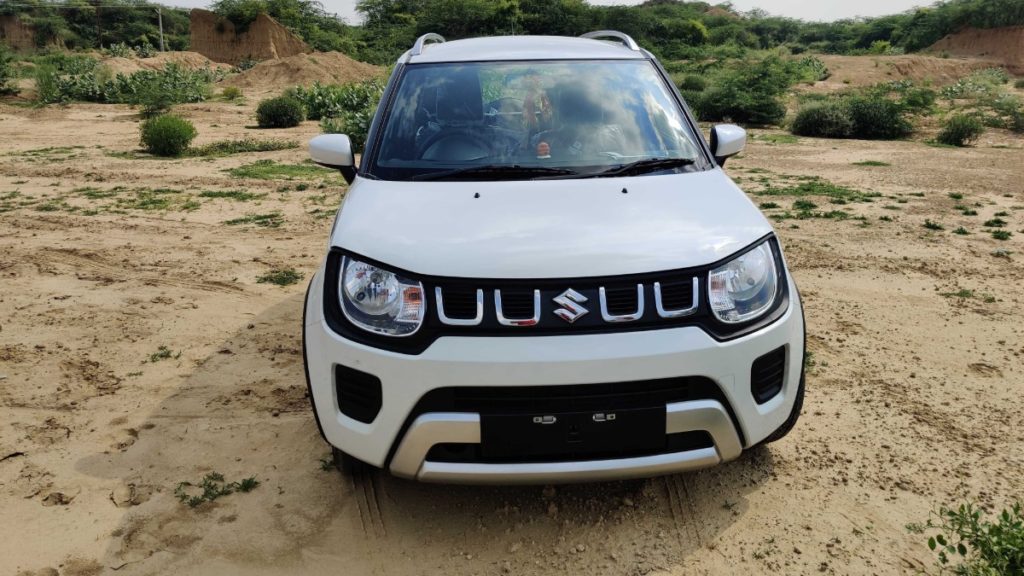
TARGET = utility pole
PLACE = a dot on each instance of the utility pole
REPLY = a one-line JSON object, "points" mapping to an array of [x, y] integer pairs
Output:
{"points": [[160, 18]]}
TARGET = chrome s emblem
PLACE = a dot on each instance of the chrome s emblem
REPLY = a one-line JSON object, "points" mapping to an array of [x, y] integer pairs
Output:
{"points": [[570, 302]]}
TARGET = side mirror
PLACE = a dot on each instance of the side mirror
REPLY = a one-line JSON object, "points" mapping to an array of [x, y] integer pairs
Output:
{"points": [[727, 140], [334, 151]]}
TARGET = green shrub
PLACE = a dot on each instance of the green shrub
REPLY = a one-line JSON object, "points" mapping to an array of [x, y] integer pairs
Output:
{"points": [[824, 120], [749, 93], [47, 90], [167, 135], [231, 93], [1019, 84], [6, 72], [119, 50], [693, 83], [877, 118], [333, 100], [280, 112], [981, 546], [961, 130]]}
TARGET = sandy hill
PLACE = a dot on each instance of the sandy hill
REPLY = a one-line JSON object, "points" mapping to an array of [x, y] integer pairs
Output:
{"points": [[190, 60], [1003, 46], [302, 70], [848, 71]]}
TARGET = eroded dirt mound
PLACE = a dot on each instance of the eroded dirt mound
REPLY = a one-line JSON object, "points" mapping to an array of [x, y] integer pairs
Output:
{"points": [[190, 60], [303, 70], [264, 38], [848, 71], [1002, 45]]}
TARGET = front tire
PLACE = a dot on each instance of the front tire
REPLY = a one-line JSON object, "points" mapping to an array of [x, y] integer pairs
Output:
{"points": [[349, 465]]}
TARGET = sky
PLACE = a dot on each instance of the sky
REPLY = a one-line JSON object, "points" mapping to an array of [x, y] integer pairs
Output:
{"points": [[817, 10]]}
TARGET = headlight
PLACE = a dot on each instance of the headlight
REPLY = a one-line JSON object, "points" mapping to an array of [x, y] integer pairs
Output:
{"points": [[378, 300], [745, 287]]}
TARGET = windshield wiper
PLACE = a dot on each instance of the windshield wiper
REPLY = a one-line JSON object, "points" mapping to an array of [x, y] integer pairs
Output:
{"points": [[496, 170], [642, 166]]}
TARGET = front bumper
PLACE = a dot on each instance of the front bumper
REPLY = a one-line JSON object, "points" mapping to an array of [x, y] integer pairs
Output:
{"points": [[401, 443]]}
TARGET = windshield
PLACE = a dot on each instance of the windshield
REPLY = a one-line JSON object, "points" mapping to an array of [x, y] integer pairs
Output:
{"points": [[539, 119]]}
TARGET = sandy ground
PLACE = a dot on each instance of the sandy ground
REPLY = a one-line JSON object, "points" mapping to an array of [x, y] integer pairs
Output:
{"points": [[914, 397]]}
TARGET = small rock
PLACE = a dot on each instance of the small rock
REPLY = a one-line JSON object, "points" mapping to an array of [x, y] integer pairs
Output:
{"points": [[627, 501], [581, 547], [515, 547]]}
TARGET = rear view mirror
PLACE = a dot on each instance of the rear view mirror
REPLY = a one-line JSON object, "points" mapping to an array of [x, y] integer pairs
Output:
{"points": [[727, 140], [334, 151]]}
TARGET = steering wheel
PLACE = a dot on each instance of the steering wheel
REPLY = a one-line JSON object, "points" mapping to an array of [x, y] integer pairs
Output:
{"points": [[457, 144]]}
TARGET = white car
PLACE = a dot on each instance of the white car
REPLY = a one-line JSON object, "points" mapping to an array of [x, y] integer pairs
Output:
{"points": [[540, 273]]}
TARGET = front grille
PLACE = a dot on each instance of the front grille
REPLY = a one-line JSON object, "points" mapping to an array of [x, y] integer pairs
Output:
{"points": [[569, 398], [459, 302], [621, 300], [767, 374], [517, 304], [677, 295], [473, 454], [359, 394]]}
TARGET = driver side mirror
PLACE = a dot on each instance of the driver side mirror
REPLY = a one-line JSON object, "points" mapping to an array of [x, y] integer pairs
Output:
{"points": [[727, 140], [334, 151]]}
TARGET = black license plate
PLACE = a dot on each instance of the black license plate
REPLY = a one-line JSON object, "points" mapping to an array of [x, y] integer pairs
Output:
{"points": [[568, 434]]}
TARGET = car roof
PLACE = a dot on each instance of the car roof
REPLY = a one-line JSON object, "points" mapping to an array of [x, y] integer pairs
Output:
{"points": [[522, 48]]}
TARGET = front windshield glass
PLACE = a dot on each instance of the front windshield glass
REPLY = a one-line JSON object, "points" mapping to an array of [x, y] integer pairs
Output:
{"points": [[539, 119]]}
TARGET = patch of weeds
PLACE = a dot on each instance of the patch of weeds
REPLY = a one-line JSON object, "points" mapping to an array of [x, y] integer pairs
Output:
{"points": [[270, 170], [933, 225], [154, 199], [327, 464], [871, 163], [1002, 213], [994, 223], [916, 194], [1001, 253], [804, 205], [271, 220], [55, 206], [302, 187], [969, 212], [163, 353], [988, 298], [212, 487], [885, 218], [97, 193], [775, 138], [820, 187], [891, 207], [956, 196], [134, 374], [1001, 234], [229, 147], [236, 195], [962, 293], [280, 277], [961, 231], [974, 545], [767, 205], [322, 213]]}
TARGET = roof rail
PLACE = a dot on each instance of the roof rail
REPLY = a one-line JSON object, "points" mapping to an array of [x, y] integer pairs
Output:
{"points": [[620, 36], [421, 42]]}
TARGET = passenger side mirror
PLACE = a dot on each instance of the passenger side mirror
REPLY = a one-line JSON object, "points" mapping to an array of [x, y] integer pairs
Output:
{"points": [[727, 140], [334, 151]]}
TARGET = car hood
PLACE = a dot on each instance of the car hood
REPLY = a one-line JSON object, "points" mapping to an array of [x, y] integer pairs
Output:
{"points": [[549, 228]]}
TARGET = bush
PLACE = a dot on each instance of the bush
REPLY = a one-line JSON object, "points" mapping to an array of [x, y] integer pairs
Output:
{"points": [[750, 93], [6, 72], [332, 100], [877, 118], [977, 545], [89, 82], [1019, 84], [961, 130], [47, 90], [692, 83], [167, 135], [231, 93], [824, 120], [280, 112]]}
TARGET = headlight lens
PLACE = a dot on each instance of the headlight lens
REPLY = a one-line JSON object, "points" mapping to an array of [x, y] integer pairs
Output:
{"points": [[380, 301], [745, 287]]}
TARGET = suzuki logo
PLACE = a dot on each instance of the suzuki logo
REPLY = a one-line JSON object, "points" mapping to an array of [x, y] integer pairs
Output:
{"points": [[570, 301]]}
